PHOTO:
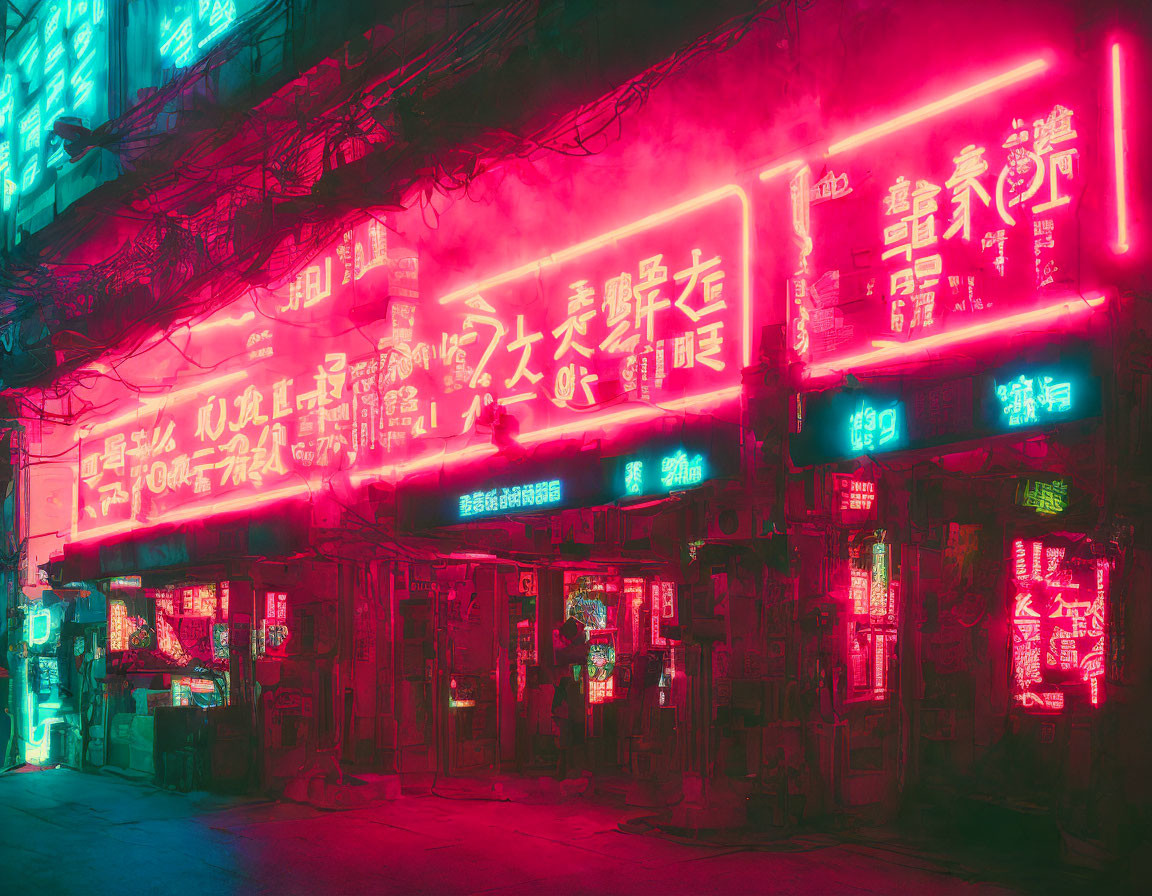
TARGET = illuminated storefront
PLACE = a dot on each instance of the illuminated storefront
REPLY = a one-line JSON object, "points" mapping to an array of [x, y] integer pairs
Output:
{"points": [[773, 436]]}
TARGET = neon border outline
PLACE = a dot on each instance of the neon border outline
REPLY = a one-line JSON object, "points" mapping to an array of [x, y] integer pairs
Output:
{"points": [[936, 107], [400, 470], [1118, 153], [877, 356], [627, 230]]}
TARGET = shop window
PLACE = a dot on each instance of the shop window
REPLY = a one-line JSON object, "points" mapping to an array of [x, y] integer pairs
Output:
{"points": [[872, 619], [1058, 607]]}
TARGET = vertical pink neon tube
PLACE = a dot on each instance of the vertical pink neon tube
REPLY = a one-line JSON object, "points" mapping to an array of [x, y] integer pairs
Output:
{"points": [[1121, 174]]}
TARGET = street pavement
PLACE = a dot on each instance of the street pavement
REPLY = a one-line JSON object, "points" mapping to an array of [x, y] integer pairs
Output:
{"points": [[63, 831]]}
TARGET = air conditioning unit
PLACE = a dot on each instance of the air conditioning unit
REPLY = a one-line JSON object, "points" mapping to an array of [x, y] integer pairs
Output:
{"points": [[729, 521], [736, 517]]}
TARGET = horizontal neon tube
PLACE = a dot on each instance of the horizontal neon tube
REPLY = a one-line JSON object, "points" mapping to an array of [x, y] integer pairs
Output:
{"points": [[158, 401], [583, 424], [731, 190], [210, 324], [769, 173], [245, 502], [903, 350], [959, 98], [1121, 175]]}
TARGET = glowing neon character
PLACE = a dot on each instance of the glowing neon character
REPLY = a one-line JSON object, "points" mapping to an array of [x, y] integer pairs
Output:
{"points": [[268, 455], [222, 16], [90, 470], [176, 40], [452, 352], [1014, 184], [7, 185], [1061, 162], [801, 341], [964, 182], [29, 55], [859, 589], [1023, 398], [179, 472], [566, 381], [311, 286], [830, 186], [1046, 497], [649, 301], [523, 343], [634, 477], [712, 282], [248, 409], [480, 377], [330, 378], [896, 201], [684, 351], [576, 324], [1056, 128], [281, 402], [236, 460], [996, 239], [709, 345], [869, 429], [1019, 401], [679, 471], [618, 302]]}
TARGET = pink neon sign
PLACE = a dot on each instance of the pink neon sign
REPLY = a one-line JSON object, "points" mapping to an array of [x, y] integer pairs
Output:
{"points": [[1119, 149], [647, 319], [1058, 609], [943, 225]]}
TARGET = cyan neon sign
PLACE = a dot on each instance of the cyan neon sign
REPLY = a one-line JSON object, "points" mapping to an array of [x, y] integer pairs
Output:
{"points": [[681, 471], [678, 470], [1030, 400], [61, 54], [513, 498], [871, 429], [192, 27]]}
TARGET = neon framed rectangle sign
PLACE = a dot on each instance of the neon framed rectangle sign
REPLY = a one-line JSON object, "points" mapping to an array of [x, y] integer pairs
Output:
{"points": [[649, 320], [950, 223]]}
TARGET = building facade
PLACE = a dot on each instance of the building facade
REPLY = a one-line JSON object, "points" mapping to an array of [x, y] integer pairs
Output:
{"points": [[832, 445]]}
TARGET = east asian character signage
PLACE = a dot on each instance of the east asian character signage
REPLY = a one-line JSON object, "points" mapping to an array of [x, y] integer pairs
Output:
{"points": [[658, 312], [554, 479], [1058, 609], [946, 222], [56, 65], [347, 369], [840, 424], [288, 397]]}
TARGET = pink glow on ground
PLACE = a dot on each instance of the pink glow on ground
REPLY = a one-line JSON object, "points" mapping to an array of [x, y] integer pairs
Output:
{"points": [[930, 110], [1118, 150], [904, 350]]}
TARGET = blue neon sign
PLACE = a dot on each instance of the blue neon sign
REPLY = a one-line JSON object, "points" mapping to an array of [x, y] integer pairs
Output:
{"points": [[1029, 400], [192, 27], [872, 429], [678, 470], [510, 499], [61, 56]]}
